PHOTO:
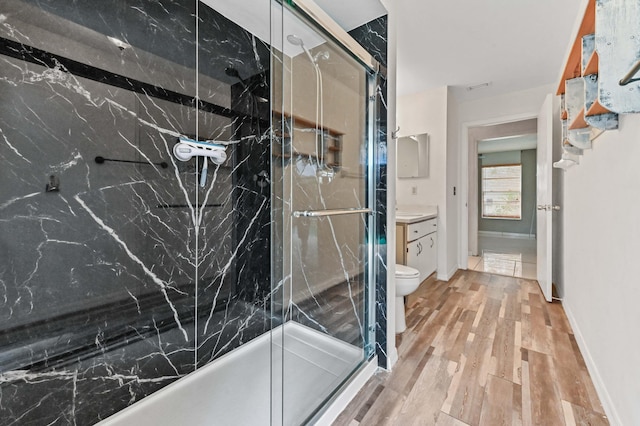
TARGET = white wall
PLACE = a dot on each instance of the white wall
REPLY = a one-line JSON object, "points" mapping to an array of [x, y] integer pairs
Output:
{"points": [[601, 285], [426, 112]]}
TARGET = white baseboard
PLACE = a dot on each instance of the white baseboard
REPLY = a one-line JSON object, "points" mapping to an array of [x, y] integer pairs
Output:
{"points": [[448, 275], [506, 235], [392, 356], [601, 389]]}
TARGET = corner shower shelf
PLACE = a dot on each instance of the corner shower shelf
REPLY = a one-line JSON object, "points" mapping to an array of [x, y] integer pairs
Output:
{"points": [[332, 139]]}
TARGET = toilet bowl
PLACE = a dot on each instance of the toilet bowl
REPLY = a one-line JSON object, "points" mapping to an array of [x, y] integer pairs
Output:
{"points": [[407, 281]]}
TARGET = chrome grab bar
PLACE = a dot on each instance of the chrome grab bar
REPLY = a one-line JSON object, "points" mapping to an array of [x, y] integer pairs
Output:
{"points": [[335, 212], [629, 77]]}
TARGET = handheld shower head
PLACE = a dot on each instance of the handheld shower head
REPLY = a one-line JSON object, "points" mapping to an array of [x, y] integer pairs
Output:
{"points": [[297, 41]]}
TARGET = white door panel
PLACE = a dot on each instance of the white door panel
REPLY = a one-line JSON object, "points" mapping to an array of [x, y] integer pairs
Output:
{"points": [[544, 197]]}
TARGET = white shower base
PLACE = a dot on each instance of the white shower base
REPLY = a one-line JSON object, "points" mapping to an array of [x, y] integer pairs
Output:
{"points": [[237, 388]]}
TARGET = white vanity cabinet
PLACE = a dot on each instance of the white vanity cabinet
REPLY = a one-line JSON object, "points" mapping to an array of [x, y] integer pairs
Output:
{"points": [[417, 245]]}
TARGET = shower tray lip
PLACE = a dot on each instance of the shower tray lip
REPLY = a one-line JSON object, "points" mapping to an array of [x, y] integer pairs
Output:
{"points": [[207, 394]]}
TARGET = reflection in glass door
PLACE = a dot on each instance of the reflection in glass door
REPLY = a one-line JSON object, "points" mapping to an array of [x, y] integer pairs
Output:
{"points": [[323, 181]]}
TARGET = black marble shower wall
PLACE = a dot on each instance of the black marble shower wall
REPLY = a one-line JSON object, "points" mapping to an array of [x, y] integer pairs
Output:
{"points": [[118, 273], [373, 37]]}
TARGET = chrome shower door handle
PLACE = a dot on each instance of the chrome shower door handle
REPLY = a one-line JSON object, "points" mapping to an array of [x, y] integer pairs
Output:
{"points": [[329, 212]]}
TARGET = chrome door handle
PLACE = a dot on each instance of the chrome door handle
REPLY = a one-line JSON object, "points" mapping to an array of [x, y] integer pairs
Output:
{"points": [[432, 242], [548, 207]]}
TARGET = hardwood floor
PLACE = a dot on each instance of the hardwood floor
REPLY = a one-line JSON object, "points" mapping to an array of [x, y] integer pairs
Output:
{"points": [[481, 350]]}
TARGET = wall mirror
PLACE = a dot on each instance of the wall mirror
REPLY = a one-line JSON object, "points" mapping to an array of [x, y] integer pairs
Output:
{"points": [[413, 156]]}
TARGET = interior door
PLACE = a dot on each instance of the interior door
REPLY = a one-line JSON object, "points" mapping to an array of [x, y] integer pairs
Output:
{"points": [[544, 171]]}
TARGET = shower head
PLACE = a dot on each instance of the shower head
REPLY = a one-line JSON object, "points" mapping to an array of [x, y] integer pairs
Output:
{"points": [[232, 72], [297, 41]]}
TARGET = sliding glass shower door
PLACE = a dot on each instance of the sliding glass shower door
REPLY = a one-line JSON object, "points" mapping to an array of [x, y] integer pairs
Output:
{"points": [[323, 218]]}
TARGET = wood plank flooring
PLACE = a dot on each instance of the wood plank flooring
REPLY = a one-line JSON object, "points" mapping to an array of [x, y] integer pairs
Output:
{"points": [[481, 350]]}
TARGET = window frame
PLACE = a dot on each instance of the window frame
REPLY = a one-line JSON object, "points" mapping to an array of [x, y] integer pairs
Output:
{"points": [[482, 191]]}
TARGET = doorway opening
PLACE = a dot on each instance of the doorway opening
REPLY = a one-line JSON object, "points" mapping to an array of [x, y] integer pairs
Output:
{"points": [[502, 198]]}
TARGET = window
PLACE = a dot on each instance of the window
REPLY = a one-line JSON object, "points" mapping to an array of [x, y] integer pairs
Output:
{"points": [[501, 191]]}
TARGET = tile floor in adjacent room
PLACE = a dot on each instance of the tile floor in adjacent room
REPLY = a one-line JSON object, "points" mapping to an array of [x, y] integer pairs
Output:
{"points": [[513, 257]]}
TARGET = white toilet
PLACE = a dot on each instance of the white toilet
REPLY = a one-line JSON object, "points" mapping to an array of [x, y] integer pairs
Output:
{"points": [[407, 281]]}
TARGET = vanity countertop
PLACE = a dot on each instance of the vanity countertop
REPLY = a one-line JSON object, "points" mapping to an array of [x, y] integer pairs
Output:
{"points": [[413, 216]]}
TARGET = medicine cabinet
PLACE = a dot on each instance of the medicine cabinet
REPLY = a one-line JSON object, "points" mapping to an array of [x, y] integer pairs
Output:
{"points": [[413, 156]]}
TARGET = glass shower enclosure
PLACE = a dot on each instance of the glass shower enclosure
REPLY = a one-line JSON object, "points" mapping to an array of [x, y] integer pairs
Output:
{"points": [[129, 264], [323, 115]]}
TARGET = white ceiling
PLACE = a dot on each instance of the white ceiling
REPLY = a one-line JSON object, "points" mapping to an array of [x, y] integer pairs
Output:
{"points": [[256, 17], [350, 14], [515, 44]]}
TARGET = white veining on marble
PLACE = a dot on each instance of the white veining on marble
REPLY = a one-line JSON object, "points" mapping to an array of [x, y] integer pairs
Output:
{"points": [[163, 286]]}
